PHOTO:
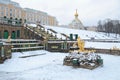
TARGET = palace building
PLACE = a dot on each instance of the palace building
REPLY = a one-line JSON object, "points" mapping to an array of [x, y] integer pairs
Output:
{"points": [[13, 16], [76, 23], [33, 16], [10, 9]]}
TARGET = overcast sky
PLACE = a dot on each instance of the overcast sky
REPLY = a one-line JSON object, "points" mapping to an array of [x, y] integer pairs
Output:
{"points": [[90, 11]]}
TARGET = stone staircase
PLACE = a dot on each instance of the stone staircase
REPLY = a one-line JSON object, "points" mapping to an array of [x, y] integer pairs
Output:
{"points": [[41, 33], [21, 45]]}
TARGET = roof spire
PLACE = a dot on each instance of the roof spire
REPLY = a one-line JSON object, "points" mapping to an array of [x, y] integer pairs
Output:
{"points": [[76, 14]]}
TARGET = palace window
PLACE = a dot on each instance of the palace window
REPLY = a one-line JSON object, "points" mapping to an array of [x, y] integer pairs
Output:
{"points": [[0, 34], [6, 9], [6, 13], [2, 13], [10, 14], [10, 10], [18, 33], [2, 8], [13, 35]]}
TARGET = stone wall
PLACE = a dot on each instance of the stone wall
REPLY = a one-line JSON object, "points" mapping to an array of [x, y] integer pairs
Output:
{"points": [[11, 29]]}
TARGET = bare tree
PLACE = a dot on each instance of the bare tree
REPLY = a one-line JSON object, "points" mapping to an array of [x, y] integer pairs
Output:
{"points": [[99, 27], [109, 26]]}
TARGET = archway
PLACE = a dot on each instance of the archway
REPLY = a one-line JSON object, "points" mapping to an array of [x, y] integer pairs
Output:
{"points": [[13, 35], [6, 34]]}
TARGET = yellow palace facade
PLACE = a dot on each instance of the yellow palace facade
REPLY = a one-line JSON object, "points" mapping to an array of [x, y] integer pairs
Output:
{"points": [[13, 10]]}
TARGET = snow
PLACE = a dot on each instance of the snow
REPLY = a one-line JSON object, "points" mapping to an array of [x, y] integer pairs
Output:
{"points": [[33, 25], [102, 45], [83, 34], [50, 67]]}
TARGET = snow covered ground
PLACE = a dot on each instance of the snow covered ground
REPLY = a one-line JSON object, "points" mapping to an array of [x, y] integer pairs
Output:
{"points": [[102, 45], [83, 34], [50, 67]]}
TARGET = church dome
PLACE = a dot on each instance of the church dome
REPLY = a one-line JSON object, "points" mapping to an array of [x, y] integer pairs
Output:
{"points": [[76, 23]]}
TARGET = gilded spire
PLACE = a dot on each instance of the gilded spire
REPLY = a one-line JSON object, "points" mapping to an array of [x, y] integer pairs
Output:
{"points": [[76, 14]]}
